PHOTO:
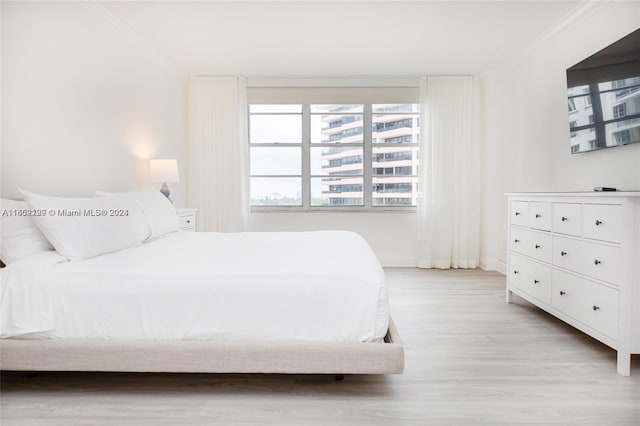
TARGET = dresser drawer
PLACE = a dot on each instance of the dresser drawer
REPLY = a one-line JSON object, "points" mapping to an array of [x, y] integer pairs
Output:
{"points": [[530, 277], [519, 213], [590, 303], [587, 258], [602, 222], [187, 218], [531, 243], [567, 219], [188, 222], [540, 215]]}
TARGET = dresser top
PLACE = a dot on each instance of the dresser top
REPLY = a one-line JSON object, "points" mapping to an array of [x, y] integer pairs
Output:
{"points": [[576, 194]]}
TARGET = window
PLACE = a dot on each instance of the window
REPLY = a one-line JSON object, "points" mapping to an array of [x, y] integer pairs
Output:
{"points": [[334, 155], [275, 138], [395, 138], [627, 86], [619, 111], [623, 137]]}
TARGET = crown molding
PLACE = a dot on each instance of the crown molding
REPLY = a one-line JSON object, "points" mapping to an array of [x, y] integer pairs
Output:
{"points": [[577, 15], [131, 37]]}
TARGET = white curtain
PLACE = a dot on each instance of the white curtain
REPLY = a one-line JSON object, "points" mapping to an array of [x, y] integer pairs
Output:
{"points": [[450, 173], [218, 153]]}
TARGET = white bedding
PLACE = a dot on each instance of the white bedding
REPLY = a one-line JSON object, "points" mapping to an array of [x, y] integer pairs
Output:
{"points": [[26, 294], [317, 286]]}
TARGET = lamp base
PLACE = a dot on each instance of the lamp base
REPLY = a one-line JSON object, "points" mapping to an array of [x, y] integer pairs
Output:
{"points": [[165, 191]]}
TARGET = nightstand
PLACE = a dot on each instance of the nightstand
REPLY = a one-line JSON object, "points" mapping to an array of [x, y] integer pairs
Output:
{"points": [[187, 219]]}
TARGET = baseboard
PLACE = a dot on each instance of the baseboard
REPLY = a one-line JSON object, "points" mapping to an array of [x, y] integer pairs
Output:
{"points": [[497, 265], [398, 262]]}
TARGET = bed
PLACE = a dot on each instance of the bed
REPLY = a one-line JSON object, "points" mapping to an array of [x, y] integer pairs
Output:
{"points": [[292, 302]]}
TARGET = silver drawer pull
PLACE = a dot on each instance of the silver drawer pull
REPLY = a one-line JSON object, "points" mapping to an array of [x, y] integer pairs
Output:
{"points": [[595, 308], [598, 222], [564, 219], [563, 253], [596, 262], [562, 293]]}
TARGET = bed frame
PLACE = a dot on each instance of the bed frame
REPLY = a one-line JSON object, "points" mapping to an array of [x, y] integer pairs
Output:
{"points": [[199, 356]]}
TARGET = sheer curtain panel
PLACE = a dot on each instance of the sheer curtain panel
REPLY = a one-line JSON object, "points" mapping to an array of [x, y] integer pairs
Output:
{"points": [[450, 173], [218, 155]]}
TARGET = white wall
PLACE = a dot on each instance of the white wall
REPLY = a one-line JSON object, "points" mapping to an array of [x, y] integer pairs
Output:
{"points": [[526, 124], [84, 104]]}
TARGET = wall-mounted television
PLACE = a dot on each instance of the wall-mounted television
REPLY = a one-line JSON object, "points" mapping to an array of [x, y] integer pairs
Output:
{"points": [[604, 97]]}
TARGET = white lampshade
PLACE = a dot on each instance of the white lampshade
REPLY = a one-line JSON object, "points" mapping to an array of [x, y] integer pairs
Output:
{"points": [[163, 170]]}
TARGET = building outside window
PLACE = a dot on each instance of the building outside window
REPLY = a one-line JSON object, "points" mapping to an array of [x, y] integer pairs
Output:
{"points": [[610, 109]]}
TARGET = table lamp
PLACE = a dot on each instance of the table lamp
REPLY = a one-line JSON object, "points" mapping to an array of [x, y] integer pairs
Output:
{"points": [[164, 170]]}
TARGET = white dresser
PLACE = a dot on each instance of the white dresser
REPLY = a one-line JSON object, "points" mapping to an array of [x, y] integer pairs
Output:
{"points": [[577, 256]]}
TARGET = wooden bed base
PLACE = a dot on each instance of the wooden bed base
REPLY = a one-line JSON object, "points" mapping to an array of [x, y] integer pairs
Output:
{"points": [[199, 356]]}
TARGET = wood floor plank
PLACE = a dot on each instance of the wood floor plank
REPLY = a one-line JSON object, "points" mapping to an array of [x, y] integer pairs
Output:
{"points": [[470, 359]]}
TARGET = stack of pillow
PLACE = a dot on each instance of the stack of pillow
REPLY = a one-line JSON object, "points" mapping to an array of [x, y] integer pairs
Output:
{"points": [[82, 228]]}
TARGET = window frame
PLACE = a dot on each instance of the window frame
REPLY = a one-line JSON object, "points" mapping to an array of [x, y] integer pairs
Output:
{"points": [[306, 176]]}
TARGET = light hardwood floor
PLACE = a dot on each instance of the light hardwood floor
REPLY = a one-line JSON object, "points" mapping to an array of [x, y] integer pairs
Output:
{"points": [[470, 359]]}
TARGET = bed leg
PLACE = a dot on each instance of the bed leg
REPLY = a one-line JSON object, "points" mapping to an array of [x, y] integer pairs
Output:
{"points": [[339, 377]]}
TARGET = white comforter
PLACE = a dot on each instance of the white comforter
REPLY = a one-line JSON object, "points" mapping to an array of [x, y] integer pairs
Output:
{"points": [[320, 286]]}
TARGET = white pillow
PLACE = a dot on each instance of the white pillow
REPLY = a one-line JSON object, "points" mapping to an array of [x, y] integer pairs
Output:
{"points": [[81, 228], [157, 209], [19, 235], [140, 222]]}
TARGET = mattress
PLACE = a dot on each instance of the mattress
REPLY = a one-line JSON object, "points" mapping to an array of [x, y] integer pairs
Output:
{"points": [[309, 286]]}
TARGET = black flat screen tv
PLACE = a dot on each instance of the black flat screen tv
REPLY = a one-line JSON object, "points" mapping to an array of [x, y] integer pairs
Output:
{"points": [[604, 97]]}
